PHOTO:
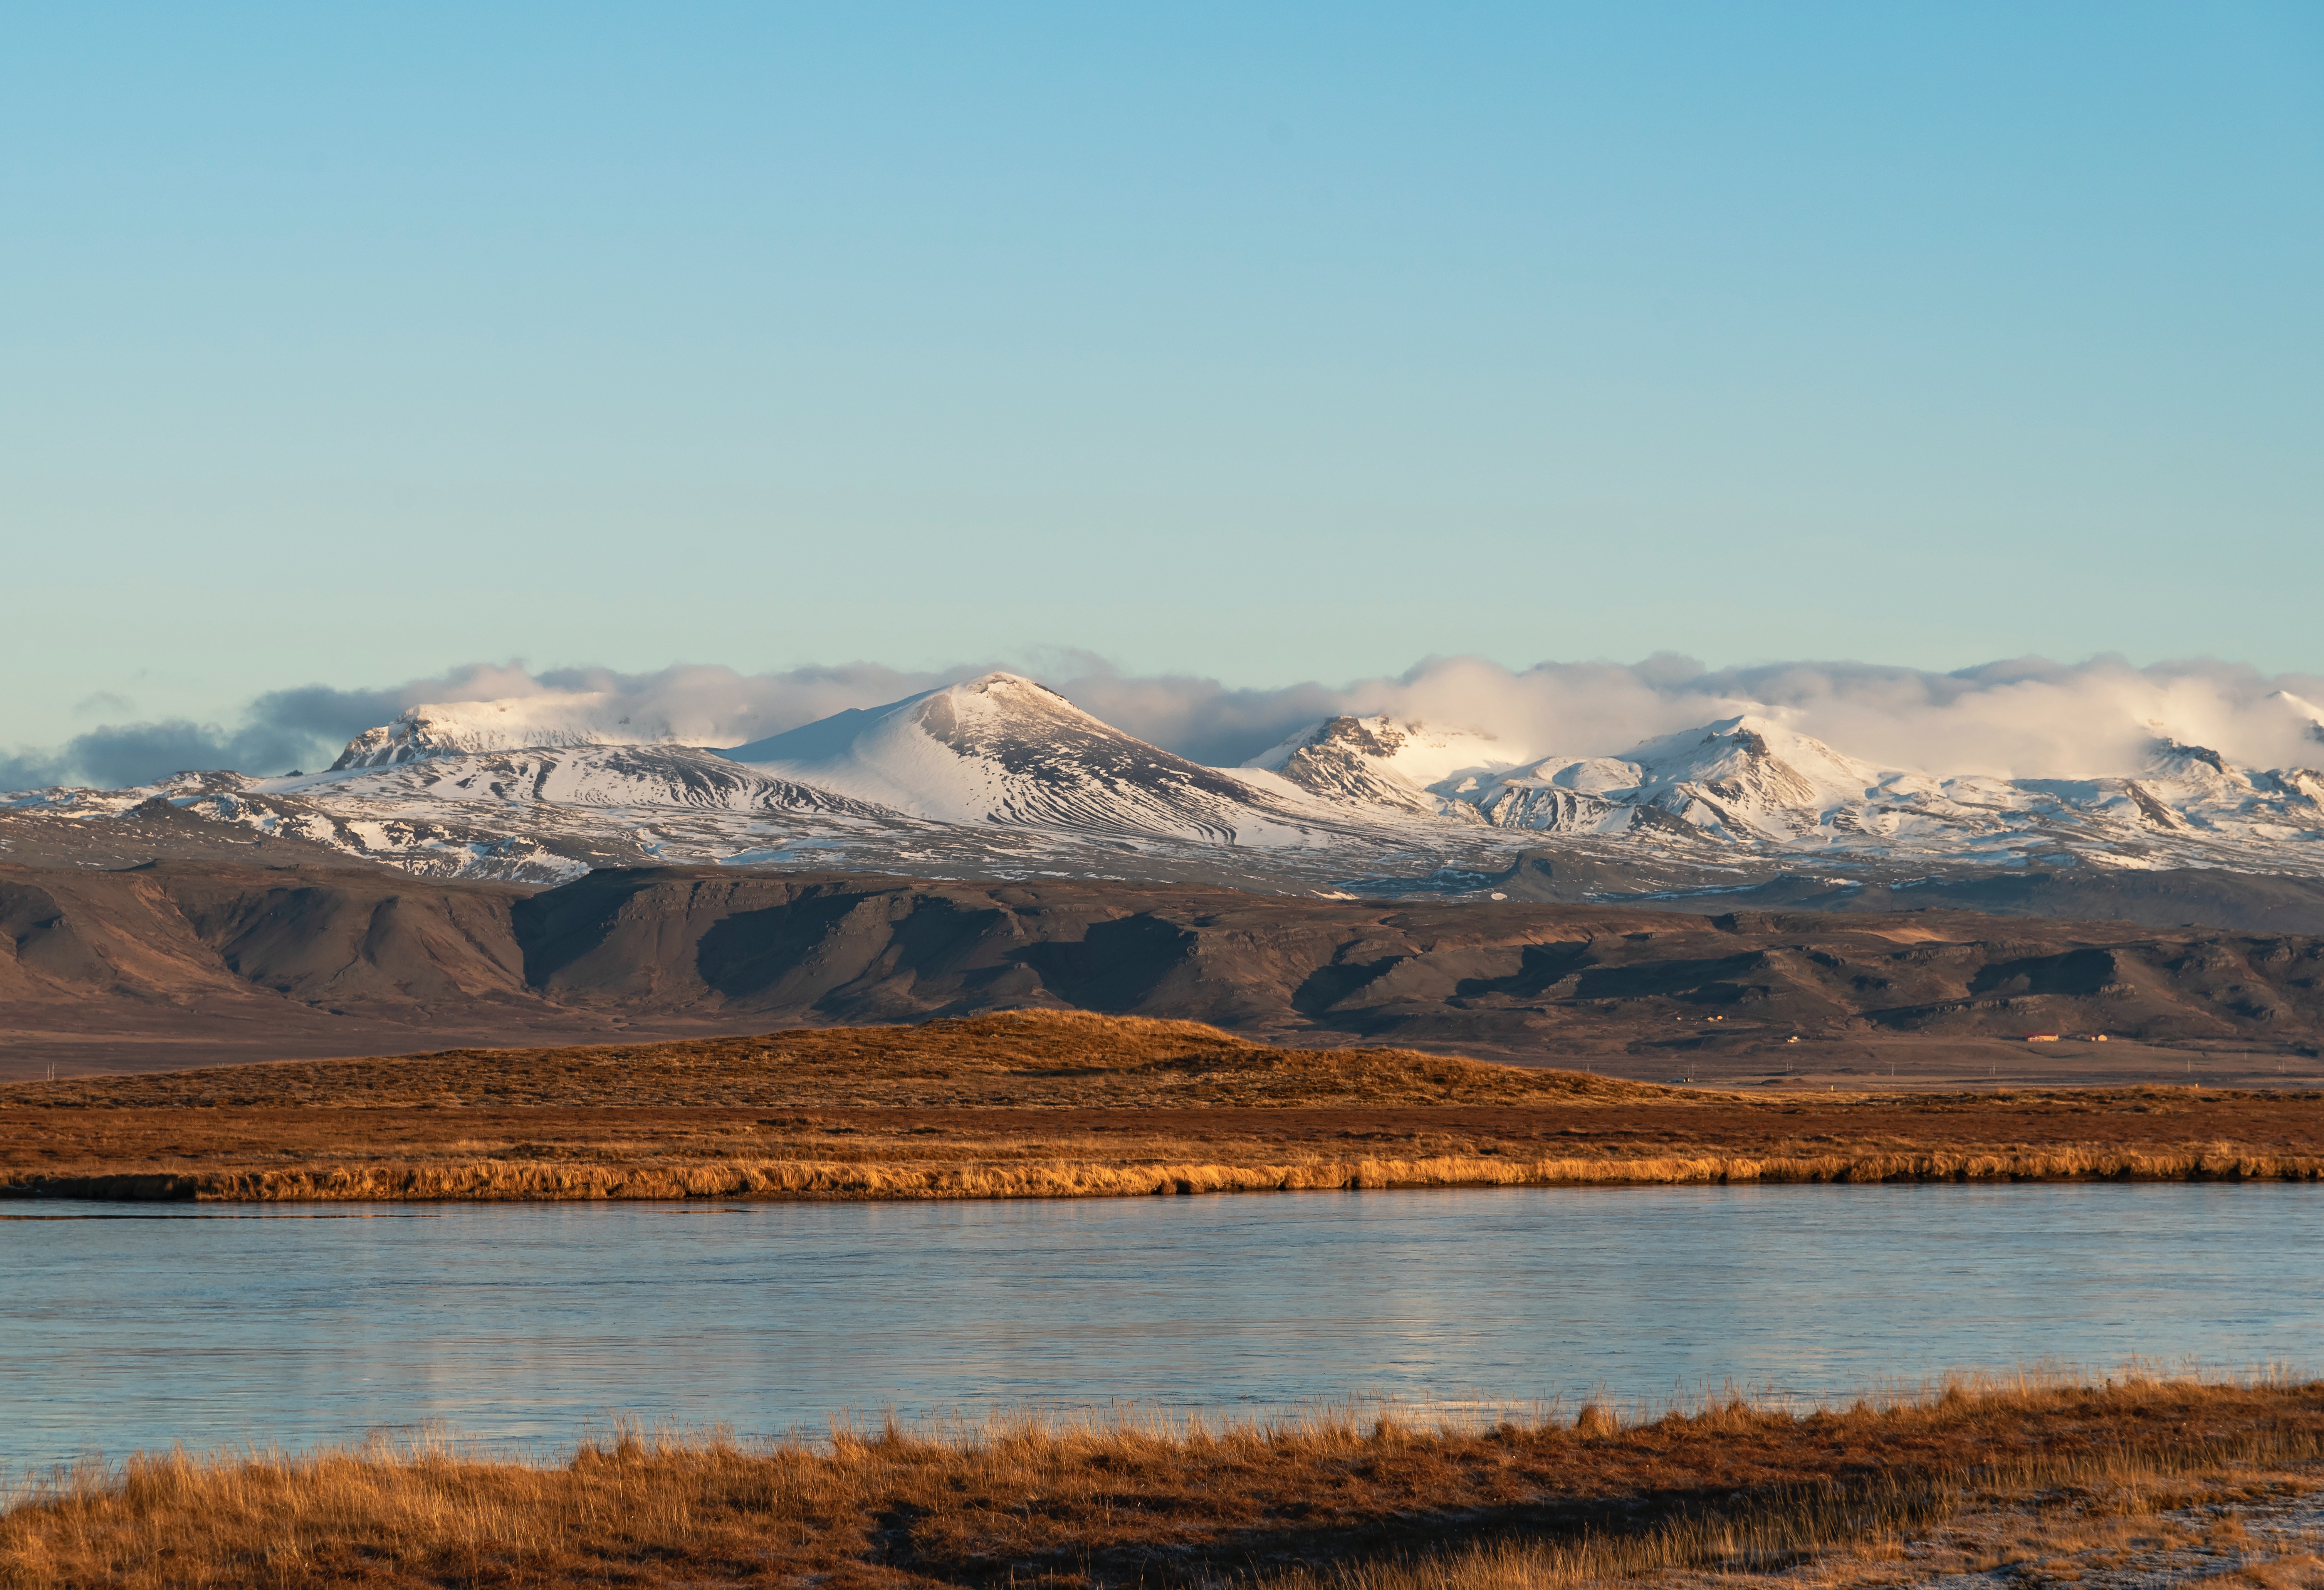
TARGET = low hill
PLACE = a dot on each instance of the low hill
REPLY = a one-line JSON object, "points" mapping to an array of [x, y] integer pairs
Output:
{"points": [[1013, 1060], [1038, 1103], [174, 965]]}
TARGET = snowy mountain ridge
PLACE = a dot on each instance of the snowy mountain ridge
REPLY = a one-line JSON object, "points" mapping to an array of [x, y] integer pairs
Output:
{"points": [[1005, 750], [999, 774], [1750, 780], [1380, 761]]}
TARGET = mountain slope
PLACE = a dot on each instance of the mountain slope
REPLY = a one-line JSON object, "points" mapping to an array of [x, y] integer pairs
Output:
{"points": [[998, 777], [679, 776], [1748, 784], [1003, 749], [1745, 778], [542, 814], [1381, 761], [522, 722]]}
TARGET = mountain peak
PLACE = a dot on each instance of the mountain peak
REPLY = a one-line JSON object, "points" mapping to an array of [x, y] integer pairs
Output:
{"points": [[1005, 749], [2310, 716], [999, 697], [1382, 761], [513, 724], [1747, 738]]}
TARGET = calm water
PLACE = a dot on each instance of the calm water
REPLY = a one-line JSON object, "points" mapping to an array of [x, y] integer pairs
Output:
{"points": [[126, 1327]]}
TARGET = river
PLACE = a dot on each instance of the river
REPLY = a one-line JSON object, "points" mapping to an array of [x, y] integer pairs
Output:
{"points": [[125, 1326]]}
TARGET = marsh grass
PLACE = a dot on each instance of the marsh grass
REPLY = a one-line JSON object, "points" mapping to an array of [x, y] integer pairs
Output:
{"points": [[1360, 1498]]}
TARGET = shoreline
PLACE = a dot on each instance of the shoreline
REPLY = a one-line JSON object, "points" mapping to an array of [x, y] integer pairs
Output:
{"points": [[1968, 1474], [493, 1182]]}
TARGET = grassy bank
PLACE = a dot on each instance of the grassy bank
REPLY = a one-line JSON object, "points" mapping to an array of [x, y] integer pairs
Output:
{"points": [[1328, 1504], [1061, 1105], [517, 1180]]}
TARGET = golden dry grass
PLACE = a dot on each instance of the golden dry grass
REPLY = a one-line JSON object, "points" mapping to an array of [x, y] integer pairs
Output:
{"points": [[1018, 1058], [499, 1180], [1037, 1105], [2096, 1524], [1332, 1503]]}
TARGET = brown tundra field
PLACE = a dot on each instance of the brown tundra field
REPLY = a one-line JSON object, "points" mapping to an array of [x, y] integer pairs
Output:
{"points": [[1035, 1104], [2138, 1479]]}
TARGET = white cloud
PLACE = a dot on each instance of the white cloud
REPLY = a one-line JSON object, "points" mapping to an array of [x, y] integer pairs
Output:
{"points": [[2024, 718]]}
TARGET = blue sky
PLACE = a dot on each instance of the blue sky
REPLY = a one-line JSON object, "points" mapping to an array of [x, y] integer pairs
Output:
{"points": [[347, 345]]}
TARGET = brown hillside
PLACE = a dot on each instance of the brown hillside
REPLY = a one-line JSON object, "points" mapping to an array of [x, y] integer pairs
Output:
{"points": [[177, 964], [1015, 1058]]}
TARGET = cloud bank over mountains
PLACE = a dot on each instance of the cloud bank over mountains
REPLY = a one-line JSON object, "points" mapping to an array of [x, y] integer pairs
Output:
{"points": [[2026, 718]]}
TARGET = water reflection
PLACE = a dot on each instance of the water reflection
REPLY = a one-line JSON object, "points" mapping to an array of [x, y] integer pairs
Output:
{"points": [[134, 1328]]}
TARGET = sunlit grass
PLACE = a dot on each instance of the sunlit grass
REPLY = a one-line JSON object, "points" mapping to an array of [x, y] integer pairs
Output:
{"points": [[1060, 1104], [1360, 1498]]}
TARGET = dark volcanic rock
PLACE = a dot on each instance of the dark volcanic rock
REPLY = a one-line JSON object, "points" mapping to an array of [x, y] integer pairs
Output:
{"points": [[185, 950]]}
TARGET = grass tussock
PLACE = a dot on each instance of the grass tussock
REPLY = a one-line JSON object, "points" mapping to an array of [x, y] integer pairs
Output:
{"points": [[1374, 1503]]}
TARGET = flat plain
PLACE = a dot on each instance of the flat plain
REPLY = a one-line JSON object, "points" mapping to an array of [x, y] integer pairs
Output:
{"points": [[1030, 1104]]}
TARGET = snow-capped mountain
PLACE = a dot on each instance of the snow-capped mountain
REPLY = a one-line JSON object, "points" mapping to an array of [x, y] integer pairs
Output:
{"points": [[1746, 780], [522, 722], [543, 814], [1380, 761], [1004, 750], [584, 775], [1749, 784], [2305, 716], [999, 775], [995, 773]]}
